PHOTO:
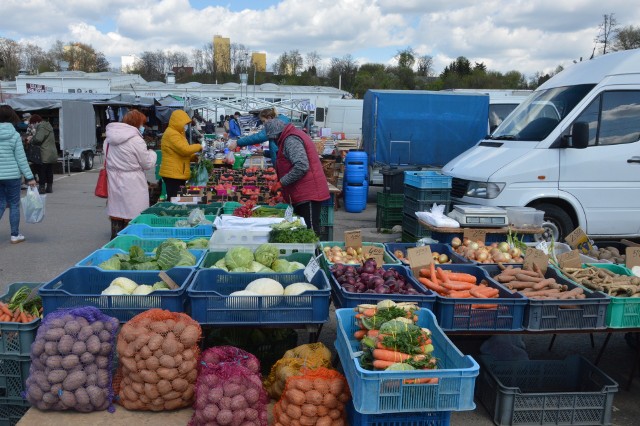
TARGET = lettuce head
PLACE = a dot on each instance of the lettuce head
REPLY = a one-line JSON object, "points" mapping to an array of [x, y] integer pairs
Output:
{"points": [[238, 257], [267, 254]]}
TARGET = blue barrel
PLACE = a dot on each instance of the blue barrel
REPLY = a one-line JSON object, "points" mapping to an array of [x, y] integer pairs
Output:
{"points": [[355, 196], [355, 169]]}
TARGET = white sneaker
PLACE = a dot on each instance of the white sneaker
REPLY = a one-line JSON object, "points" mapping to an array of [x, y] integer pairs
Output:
{"points": [[17, 239]]}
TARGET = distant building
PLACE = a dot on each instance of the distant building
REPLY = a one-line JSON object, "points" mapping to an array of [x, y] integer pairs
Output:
{"points": [[222, 54], [259, 60]]}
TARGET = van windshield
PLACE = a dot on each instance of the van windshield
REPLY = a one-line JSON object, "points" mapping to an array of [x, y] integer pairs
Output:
{"points": [[540, 113]]}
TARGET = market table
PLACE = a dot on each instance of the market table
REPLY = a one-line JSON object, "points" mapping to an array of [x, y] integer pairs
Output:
{"points": [[488, 231]]}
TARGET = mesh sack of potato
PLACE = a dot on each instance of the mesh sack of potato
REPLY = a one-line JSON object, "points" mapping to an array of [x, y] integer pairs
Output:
{"points": [[71, 360], [316, 397], [310, 355], [218, 354], [158, 361], [229, 393]]}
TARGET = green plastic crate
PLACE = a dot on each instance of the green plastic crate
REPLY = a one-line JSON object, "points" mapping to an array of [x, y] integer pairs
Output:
{"points": [[229, 206], [326, 215], [162, 221], [387, 258], [213, 256], [12, 410], [387, 218], [390, 200], [408, 238], [411, 225], [326, 233]]}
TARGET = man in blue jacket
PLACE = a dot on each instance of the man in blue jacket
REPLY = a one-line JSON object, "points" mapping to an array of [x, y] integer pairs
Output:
{"points": [[234, 127], [261, 136]]}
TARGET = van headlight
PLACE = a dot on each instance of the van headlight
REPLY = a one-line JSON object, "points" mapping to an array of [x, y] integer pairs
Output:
{"points": [[484, 189]]}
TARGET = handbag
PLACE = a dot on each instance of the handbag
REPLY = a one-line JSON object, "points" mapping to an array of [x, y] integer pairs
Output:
{"points": [[102, 186], [34, 154]]}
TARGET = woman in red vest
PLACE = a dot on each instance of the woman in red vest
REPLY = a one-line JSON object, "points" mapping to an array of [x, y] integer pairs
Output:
{"points": [[299, 170]]}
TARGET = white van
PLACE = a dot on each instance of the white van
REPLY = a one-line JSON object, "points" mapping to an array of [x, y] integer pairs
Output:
{"points": [[571, 149], [343, 115]]}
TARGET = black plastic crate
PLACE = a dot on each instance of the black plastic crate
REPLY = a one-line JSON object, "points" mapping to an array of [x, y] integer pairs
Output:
{"points": [[393, 179], [411, 225], [432, 195], [12, 410], [326, 233], [389, 200], [411, 206]]}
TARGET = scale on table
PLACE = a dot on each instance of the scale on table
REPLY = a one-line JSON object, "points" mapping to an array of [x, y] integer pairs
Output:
{"points": [[481, 216]]}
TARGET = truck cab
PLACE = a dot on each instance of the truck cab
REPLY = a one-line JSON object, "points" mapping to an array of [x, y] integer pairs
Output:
{"points": [[571, 149]]}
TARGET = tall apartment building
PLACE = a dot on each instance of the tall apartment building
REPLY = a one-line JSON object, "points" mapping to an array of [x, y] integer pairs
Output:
{"points": [[259, 59], [222, 54]]}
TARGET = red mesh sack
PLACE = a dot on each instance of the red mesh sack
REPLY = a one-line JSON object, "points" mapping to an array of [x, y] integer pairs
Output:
{"points": [[218, 354], [158, 361], [229, 393], [71, 360], [317, 397]]}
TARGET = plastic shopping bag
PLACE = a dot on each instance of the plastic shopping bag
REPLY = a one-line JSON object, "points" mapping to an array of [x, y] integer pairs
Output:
{"points": [[201, 176], [33, 205]]}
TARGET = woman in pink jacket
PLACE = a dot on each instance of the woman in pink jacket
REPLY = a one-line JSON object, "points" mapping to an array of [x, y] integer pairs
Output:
{"points": [[127, 159]]}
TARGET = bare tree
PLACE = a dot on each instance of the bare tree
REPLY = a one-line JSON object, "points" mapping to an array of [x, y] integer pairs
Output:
{"points": [[239, 57], [9, 57], [606, 32], [627, 38], [295, 61], [313, 60], [425, 66]]}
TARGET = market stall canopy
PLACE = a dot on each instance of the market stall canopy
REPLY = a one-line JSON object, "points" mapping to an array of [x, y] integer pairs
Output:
{"points": [[38, 101]]}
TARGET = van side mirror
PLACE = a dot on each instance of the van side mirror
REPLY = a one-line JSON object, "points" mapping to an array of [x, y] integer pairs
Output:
{"points": [[580, 135]]}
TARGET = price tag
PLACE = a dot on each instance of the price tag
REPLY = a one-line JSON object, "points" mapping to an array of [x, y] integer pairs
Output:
{"points": [[632, 256], [312, 267], [33, 293], [377, 253], [570, 259], [288, 214], [167, 279], [578, 239], [475, 234], [535, 257], [353, 238], [419, 257]]}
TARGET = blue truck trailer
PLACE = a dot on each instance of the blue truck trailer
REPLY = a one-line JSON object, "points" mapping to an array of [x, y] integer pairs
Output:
{"points": [[419, 128]]}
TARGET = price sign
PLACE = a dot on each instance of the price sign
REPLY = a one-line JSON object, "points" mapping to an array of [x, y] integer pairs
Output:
{"points": [[375, 252], [312, 267], [419, 257], [535, 257], [633, 256], [353, 238], [578, 239], [288, 214], [475, 234], [167, 279], [32, 294], [570, 259]]}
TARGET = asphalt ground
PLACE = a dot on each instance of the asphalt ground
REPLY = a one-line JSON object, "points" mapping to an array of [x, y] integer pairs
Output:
{"points": [[76, 224]]}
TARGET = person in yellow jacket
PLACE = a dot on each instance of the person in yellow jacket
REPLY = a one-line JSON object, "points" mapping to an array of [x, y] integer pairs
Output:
{"points": [[176, 153]]}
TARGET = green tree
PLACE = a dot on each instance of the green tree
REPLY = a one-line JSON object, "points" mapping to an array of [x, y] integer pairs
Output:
{"points": [[406, 58]]}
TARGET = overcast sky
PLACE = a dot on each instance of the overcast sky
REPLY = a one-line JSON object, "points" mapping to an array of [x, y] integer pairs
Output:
{"points": [[527, 36]]}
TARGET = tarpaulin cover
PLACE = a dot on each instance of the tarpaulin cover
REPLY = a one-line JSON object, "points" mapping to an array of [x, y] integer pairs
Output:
{"points": [[421, 127]]}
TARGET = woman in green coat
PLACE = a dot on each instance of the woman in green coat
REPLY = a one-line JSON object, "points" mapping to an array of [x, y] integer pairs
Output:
{"points": [[45, 139]]}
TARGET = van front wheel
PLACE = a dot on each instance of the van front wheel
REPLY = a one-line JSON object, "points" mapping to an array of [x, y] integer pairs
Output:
{"points": [[557, 223]]}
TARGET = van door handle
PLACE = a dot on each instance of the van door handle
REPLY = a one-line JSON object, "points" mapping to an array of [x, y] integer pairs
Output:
{"points": [[633, 160]]}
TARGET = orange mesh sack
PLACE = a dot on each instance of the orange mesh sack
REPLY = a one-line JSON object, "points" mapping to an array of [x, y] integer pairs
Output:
{"points": [[158, 361], [316, 397], [311, 355]]}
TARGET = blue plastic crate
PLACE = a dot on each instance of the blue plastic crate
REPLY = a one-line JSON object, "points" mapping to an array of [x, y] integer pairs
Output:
{"points": [[347, 299], [82, 285], [124, 242], [570, 391], [100, 255], [427, 179], [459, 314], [16, 338], [211, 303], [12, 410], [419, 418], [14, 371], [147, 231], [579, 314], [435, 248], [377, 392]]}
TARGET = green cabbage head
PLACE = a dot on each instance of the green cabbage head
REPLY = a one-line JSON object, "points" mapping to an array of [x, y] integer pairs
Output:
{"points": [[267, 254], [238, 257], [280, 265]]}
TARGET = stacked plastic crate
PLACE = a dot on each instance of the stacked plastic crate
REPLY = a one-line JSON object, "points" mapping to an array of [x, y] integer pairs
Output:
{"points": [[422, 189], [15, 347], [390, 200], [326, 220]]}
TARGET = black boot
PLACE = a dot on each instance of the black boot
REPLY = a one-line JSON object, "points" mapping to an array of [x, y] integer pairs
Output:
{"points": [[41, 189], [49, 189]]}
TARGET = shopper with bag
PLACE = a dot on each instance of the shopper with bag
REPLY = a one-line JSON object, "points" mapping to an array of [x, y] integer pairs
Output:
{"points": [[175, 168], [46, 141], [126, 160], [13, 165]]}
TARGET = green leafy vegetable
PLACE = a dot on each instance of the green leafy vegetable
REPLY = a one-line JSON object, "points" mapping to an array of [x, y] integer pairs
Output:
{"points": [[161, 285], [111, 264], [280, 265], [267, 254], [289, 236], [137, 254], [198, 243], [238, 257]]}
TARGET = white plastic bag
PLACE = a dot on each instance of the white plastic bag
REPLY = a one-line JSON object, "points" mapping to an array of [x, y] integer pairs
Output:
{"points": [[437, 217], [33, 205]]}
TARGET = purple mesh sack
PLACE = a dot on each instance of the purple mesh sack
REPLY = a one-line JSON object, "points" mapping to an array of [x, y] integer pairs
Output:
{"points": [[218, 354], [71, 361]]}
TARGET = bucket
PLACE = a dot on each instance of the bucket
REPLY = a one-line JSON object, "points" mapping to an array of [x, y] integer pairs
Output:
{"points": [[355, 170], [355, 197]]}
